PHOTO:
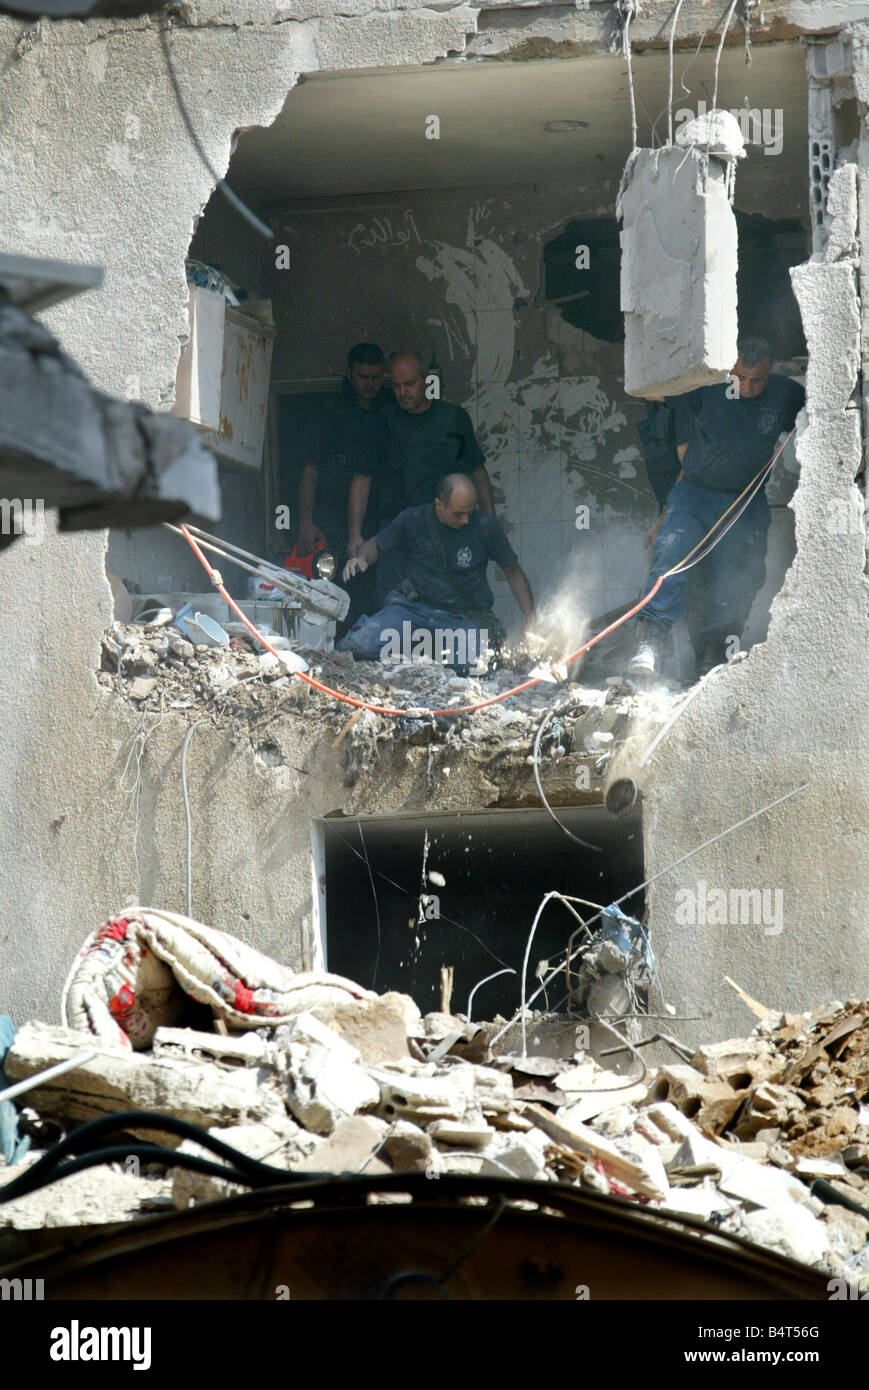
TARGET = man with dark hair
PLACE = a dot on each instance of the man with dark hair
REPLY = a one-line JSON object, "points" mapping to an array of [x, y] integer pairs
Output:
{"points": [[445, 547], [427, 438], [724, 435], [345, 435]]}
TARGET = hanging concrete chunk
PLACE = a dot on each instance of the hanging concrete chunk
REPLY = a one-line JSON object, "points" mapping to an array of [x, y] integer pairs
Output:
{"points": [[678, 282]]}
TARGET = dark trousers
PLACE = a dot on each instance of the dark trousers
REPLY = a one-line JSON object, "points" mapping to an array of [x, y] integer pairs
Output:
{"points": [[722, 587]]}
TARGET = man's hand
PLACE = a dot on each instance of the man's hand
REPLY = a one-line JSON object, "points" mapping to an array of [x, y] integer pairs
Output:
{"points": [[652, 534], [354, 545], [308, 536], [355, 565]]}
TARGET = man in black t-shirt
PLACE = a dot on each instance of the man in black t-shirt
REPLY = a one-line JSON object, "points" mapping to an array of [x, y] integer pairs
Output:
{"points": [[445, 549], [724, 435], [427, 438], [336, 437]]}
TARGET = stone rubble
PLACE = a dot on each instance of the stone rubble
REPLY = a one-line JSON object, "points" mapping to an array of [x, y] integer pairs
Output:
{"points": [[733, 1141], [156, 670]]}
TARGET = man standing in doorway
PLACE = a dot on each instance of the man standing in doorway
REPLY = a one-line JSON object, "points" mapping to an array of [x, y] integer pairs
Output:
{"points": [[724, 435], [427, 439], [347, 435]]}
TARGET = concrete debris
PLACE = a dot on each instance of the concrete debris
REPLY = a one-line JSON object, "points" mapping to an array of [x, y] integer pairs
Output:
{"points": [[423, 1092], [242, 682], [272, 1144], [407, 1148], [791, 1230], [324, 1075], [762, 1137], [351, 1148], [378, 1028], [711, 1103], [120, 1079]]}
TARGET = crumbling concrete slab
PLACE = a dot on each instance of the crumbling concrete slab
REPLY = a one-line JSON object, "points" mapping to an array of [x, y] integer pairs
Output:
{"points": [[325, 1078], [378, 1028], [678, 282], [419, 1091], [120, 1079], [351, 1148]]}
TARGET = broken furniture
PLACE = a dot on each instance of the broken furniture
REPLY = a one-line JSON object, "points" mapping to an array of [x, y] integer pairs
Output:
{"points": [[222, 385]]}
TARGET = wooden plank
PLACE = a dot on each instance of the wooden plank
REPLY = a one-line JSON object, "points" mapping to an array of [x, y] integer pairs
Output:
{"points": [[585, 1141]]}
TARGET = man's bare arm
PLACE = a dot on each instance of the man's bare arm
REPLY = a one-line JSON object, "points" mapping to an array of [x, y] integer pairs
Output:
{"points": [[368, 554], [518, 582], [309, 534], [357, 502], [654, 530], [483, 484]]}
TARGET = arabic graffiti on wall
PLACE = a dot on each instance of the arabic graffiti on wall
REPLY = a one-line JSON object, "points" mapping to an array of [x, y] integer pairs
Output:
{"points": [[379, 231]]}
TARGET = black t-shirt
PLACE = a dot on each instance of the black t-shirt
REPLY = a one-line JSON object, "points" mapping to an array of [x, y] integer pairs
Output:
{"points": [[421, 449], [341, 438], [729, 440], [462, 585]]}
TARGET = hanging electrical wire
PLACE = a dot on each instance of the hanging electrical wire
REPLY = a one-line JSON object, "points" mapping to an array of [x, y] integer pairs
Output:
{"points": [[700, 551], [733, 4], [628, 10], [641, 887], [231, 196], [535, 755]]}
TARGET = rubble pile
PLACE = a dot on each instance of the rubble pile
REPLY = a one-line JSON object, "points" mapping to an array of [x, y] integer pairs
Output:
{"points": [[766, 1136], [155, 668]]}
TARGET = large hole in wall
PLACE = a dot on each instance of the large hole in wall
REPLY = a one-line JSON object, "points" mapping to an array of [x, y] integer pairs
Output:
{"points": [[496, 868], [768, 248], [587, 298], [767, 308]]}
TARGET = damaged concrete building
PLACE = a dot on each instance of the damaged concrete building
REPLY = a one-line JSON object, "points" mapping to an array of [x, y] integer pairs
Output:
{"points": [[431, 175]]}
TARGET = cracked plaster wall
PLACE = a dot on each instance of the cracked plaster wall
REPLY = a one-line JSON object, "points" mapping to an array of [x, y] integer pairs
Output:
{"points": [[792, 715], [95, 166]]}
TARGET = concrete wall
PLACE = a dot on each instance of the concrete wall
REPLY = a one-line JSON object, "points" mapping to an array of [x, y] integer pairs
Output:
{"points": [[85, 822], [152, 559], [96, 166], [789, 719]]}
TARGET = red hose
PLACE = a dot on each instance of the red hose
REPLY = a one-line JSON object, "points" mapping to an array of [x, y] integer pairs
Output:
{"points": [[753, 487]]}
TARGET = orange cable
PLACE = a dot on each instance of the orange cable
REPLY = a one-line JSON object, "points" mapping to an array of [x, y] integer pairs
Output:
{"points": [[418, 711]]}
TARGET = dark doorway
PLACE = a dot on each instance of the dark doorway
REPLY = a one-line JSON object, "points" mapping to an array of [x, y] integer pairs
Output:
{"points": [[496, 868]]}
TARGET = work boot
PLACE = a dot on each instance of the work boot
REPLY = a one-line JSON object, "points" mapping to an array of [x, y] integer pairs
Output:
{"points": [[711, 655], [650, 650]]}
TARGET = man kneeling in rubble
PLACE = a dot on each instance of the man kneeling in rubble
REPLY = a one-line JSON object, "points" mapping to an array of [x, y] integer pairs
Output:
{"points": [[442, 608]]}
